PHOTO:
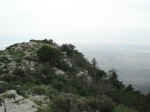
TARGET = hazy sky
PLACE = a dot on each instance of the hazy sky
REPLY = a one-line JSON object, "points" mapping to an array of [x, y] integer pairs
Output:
{"points": [[116, 32], [84, 21]]}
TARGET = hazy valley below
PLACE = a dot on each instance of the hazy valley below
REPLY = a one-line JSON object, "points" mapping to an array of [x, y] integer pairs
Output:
{"points": [[130, 61]]}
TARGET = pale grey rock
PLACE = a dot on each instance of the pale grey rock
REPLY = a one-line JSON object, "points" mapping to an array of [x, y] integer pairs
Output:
{"points": [[39, 98], [3, 82], [82, 73], [19, 104], [68, 62], [89, 79], [65, 54], [59, 72]]}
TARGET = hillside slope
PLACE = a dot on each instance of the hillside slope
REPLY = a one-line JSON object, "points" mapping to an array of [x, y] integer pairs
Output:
{"points": [[60, 79]]}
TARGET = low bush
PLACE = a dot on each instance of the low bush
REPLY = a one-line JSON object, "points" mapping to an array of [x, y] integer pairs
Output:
{"points": [[49, 54], [39, 90], [101, 103], [122, 108]]}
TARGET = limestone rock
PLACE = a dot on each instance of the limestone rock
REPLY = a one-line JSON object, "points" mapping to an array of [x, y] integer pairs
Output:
{"points": [[17, 103]]}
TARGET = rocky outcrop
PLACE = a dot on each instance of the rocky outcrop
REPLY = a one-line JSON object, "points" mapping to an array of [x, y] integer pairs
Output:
{"points": [[10, 101]]}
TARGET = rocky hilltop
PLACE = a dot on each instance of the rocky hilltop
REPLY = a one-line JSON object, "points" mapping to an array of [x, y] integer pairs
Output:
{"points": [[42, 76]]}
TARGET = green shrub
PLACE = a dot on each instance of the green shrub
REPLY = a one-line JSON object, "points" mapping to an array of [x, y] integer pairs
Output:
{"points": [[49, 54], [20, 76], [18, 55], [51, 92], [65, 67], [59, 82], [68, 48], [45, 74], [101, 103], [39, 90], [4, 87], [122, 108], [78, 60], [4, 59], [45, 109], [25, 89], [61, 104]]}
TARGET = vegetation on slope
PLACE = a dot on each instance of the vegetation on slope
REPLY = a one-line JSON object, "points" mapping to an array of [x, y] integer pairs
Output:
{"points": [[71, 82]]}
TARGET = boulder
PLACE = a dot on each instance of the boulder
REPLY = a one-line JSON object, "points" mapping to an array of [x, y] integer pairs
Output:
{"points": [[13, 102]]}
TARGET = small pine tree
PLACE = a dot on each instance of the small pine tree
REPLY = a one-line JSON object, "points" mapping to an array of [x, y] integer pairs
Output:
{"points": [[114, 79]]}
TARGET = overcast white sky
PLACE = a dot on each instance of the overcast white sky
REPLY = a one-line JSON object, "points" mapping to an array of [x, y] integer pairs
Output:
{"points": [[94, 26], [84, 21]]}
